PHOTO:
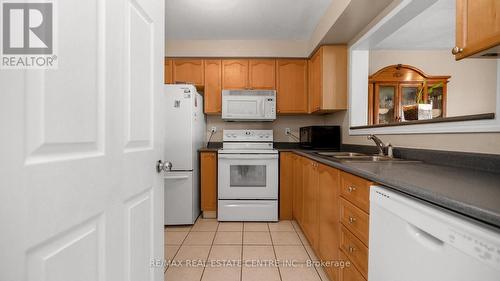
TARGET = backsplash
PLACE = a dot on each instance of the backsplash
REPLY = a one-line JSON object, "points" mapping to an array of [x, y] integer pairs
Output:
{"points": [[278, 126]]}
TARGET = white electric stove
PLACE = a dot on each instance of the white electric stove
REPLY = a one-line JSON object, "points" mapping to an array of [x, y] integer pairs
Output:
{"points": [[247, 176]]}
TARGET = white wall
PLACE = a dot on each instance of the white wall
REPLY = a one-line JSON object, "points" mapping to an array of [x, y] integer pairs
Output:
{"points": [[236, 48], [473, 82]]}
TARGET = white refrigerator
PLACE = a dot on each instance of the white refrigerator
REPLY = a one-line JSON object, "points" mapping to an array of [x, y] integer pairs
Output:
{"points": [[185, 134]]}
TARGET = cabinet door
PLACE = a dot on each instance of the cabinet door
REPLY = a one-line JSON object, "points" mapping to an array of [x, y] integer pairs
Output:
{"points": [[189, 71], [291, 85], [478, 26], [297, 188], [438, 99], [262, 74], [349, 273], [208, 163], [385, 103], [168, 71], [234, 74], [286, 186], [315, 81], [213, 87], [311, 193], [329, 225]]}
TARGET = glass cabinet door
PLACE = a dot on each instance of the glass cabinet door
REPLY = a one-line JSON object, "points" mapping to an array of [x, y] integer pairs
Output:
{"points": [[437, 99], [409, 94], [384, 104]]}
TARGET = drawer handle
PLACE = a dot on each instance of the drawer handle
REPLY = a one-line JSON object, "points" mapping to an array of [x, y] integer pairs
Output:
{"points": [[351, 249], [351, 188], [352, 220]]}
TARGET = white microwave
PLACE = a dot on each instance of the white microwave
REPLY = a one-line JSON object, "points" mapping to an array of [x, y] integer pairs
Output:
{"points": [[248, 105]]}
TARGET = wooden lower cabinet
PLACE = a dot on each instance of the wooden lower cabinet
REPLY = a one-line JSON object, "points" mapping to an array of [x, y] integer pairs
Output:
{"points": [[286, 186], [355, 250], [355, 190], [297, 188], [329, 225], [310, 220], [349, 273], [333, 217], [355, 220], [208, 183]]}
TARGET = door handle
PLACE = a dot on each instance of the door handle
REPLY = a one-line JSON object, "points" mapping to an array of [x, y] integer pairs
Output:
{"points": [[163, 166], [424, 237]]}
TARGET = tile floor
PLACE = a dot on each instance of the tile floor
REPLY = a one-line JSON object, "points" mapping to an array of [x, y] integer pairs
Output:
{"points": [[237, 251]]}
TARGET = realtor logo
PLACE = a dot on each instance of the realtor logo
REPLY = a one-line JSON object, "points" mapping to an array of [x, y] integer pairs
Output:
{"points": [[28, 35]]}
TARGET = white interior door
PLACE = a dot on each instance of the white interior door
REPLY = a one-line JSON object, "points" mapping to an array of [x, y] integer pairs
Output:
{"points": [[80, 197]]}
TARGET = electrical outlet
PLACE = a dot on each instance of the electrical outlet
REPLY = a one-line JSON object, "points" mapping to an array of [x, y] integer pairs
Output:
{"points": [[213, 130], [287, 131]]}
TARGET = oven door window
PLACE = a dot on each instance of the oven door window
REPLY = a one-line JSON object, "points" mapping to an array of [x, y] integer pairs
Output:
{"points": [[247, 175]]}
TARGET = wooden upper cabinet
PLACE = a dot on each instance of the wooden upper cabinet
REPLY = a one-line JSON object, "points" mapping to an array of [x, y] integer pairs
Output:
{"points": [[213, 86], [262, 74], [328, 79], [189, 71], [234, 74], [477, 28], [315, 81], [291, 86], [168, 71]]}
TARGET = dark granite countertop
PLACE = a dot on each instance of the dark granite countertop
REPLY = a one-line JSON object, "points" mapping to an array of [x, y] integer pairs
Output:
{"points": [[469, 184], [473, 193]]}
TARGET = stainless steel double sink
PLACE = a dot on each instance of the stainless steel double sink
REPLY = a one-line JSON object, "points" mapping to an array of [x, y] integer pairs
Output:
{"points": [[360, 157]]}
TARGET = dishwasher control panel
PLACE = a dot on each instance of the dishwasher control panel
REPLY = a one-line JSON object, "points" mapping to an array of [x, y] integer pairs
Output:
{"points": [[476, 246]]}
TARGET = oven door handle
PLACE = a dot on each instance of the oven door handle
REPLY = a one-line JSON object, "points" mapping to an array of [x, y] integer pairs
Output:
{"points": [[249, 156]]}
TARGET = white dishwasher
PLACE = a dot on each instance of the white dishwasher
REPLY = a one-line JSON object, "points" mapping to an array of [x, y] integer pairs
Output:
{"points": [[412, 240]]}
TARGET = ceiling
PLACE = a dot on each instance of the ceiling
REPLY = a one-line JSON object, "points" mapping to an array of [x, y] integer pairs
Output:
{"points": [[434, 28], [243, 19], [352, 21]]}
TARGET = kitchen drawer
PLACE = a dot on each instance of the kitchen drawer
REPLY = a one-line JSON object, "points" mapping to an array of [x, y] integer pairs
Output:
{"points": [[350, 273], [355, 220], [356, 190], [355, 250]]}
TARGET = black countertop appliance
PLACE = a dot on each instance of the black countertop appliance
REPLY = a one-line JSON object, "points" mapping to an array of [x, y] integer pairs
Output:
{"points": [[321, 137]]}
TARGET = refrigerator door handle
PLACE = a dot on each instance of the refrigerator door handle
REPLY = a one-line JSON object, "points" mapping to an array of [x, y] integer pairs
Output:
{"points": [[175, 177]]}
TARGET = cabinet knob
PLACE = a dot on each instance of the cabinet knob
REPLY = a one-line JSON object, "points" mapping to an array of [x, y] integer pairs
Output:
{"points": [[351, 249], [457, 50], [352, 220], [351, 188]]}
